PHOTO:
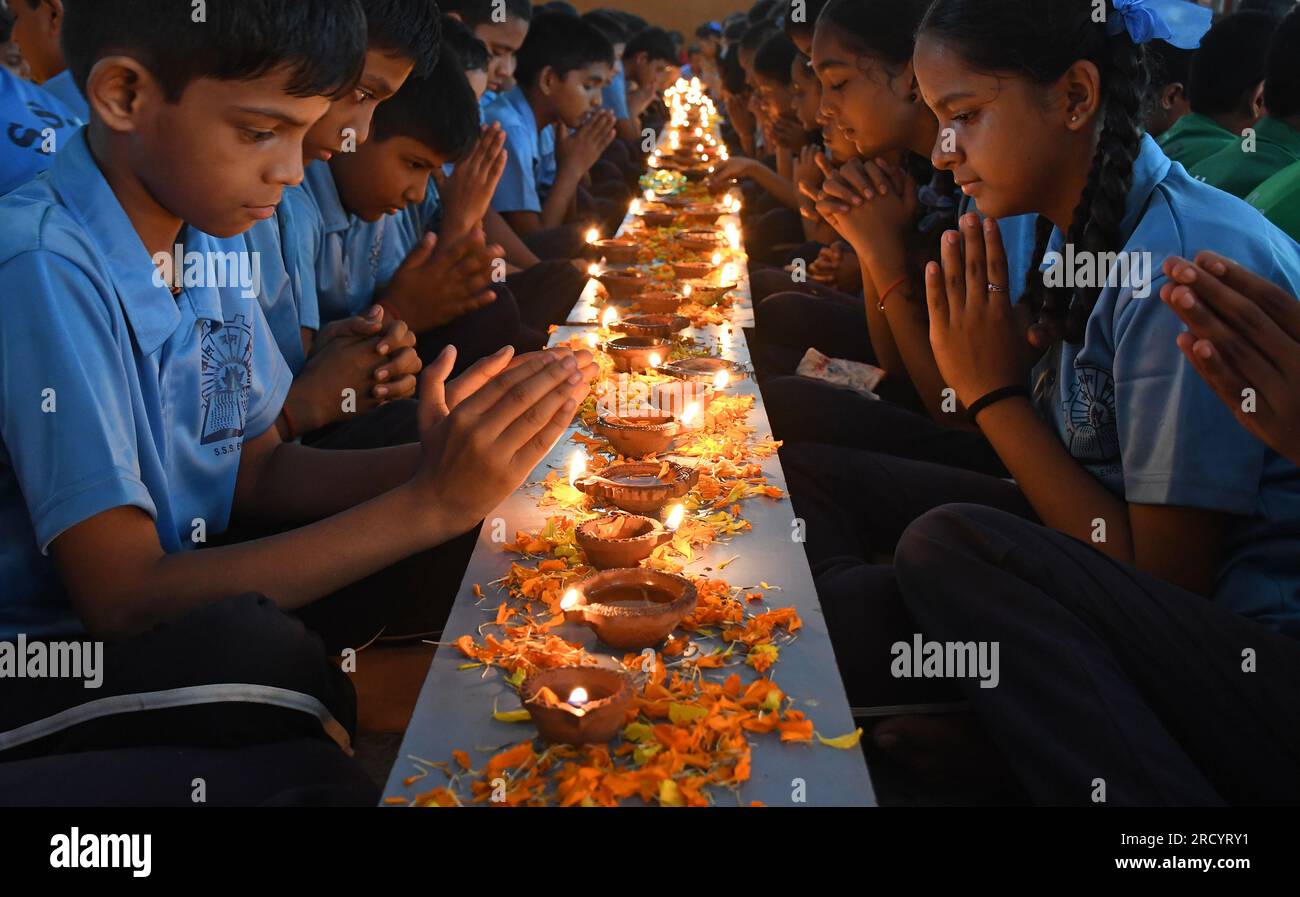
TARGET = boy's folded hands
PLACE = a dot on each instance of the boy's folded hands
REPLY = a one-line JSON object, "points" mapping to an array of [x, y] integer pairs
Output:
{"points": [[441, 281], [578, 151], [373, 357], [467, 193], [483, 433]]}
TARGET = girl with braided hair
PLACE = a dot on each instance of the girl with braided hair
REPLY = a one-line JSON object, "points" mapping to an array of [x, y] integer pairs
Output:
{"points": [[1120, 445]]}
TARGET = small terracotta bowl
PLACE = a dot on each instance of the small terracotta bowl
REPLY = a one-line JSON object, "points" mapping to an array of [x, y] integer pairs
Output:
{"points": [[658, 217], [692, 270], [623, 284], [632, 608], [659, 301], [636, 437], [616, 251], [636, 486], [632, 353], [620, 540], [674, 397], [704, 214], [704, 370], [705, 293], [661, 326], [596, 721], [700, 240]]}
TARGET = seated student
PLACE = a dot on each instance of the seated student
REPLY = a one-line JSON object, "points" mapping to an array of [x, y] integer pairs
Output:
{"points": [[546, 291], [1105, 670], [1170, 72], [37, 26], [650, 65], [561, 67], [34, 124], [503, 35], [1120, 445], [367, 353], [152, 419], [1243, 165], [1224, 88], [1278, 199]]}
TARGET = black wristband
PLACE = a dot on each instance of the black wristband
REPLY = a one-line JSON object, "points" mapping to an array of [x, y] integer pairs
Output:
{"points": [[997, 395]]}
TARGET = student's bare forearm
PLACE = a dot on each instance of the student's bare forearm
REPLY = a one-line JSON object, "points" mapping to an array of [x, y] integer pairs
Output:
{"points": [[882, 340], [500, 232], [563, 192], [299, 483], [782, 189], [629, 129], [1063, 494]]}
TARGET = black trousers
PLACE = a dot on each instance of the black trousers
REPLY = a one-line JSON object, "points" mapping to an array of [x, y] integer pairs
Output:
{"points": [[774, 237], [1106, 673], [787, 324], [480, 333], [547, 293], [855, 506], [805, 410]]}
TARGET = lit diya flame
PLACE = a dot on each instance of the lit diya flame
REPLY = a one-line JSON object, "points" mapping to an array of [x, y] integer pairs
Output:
{"points": [[728, 272], [593, 340], [608, 317], [699, 132], [699, 147], [675, 517], [717, 259], [649, 195], [733, 236], [635, 207], [593, 270], [721, 379], [655, 360], [692, 411], [570, 600], [686, 291], [578, 696], [577, 465], [593, 235], [728, 202]]}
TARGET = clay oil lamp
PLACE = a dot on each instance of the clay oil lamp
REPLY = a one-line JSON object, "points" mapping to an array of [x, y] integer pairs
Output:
{"points": [[658, 325], [705, 293], [719, 372], [659, 302], [677, 396], [658, 216], [577, 704], [699, 240], [644, 434], [617, 251], [636, 354], [621, 540], [692, 270], [623, 284], [704, 213], [641, 487], [630, 608]]}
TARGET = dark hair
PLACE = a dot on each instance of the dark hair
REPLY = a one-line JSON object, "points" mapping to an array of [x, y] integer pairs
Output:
{"points": [[709, 30], [1039, 40], [776, 57], [439, 111], [1230, 63], [6, 25], [756, 36], [409, 28], [610, 26], [565, 43], [471, 52], [567, 9], [881, 29], [655, 43], [480, 12], [734, 31], [323, 43], [763, 10], [811, 10], [631, 21], [733, 74], [1282, 73], [1168, 64], [1275, 8]]}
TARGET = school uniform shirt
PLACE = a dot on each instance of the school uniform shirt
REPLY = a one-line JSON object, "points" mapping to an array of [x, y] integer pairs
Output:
{"points": [[1278, 199], [66, 92], [1239, 172], [613, 96], [340, 259], [1131, 409], [113, 392], [35, 127], [1194, 138], [531, 154]]}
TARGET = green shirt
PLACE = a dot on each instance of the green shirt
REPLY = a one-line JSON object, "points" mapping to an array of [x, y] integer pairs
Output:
{"points": [[1238, 172], [1193, 138], [1279, 199]]}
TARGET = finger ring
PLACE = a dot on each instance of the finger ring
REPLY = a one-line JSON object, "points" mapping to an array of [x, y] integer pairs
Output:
{"points": [[994, 288]]}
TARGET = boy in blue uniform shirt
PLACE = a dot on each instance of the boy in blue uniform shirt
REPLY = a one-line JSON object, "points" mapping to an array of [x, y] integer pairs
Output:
{"points": [[502, 35], [144, 417], [562, 66], [34, 125]]}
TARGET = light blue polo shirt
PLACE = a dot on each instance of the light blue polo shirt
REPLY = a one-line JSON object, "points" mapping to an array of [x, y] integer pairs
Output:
{"points": [[530, 162], [613, 95], [66, 92], [340, 259], [34, 126], [1133, 411], [113, 392]]}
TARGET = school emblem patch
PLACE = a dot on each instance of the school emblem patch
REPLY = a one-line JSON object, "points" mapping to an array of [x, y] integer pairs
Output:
{"points": [[1092, 432], [227, 353]]}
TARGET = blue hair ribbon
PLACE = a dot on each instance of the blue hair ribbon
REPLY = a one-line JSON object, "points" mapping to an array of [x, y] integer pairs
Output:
{"points": [[1177, 22]]}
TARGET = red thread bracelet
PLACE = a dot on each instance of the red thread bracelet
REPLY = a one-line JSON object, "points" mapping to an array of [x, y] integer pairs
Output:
{"points": [[885, 295]]}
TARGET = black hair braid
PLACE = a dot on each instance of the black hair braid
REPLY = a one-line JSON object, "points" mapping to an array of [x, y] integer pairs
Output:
{"points": [[1096, 228]]}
